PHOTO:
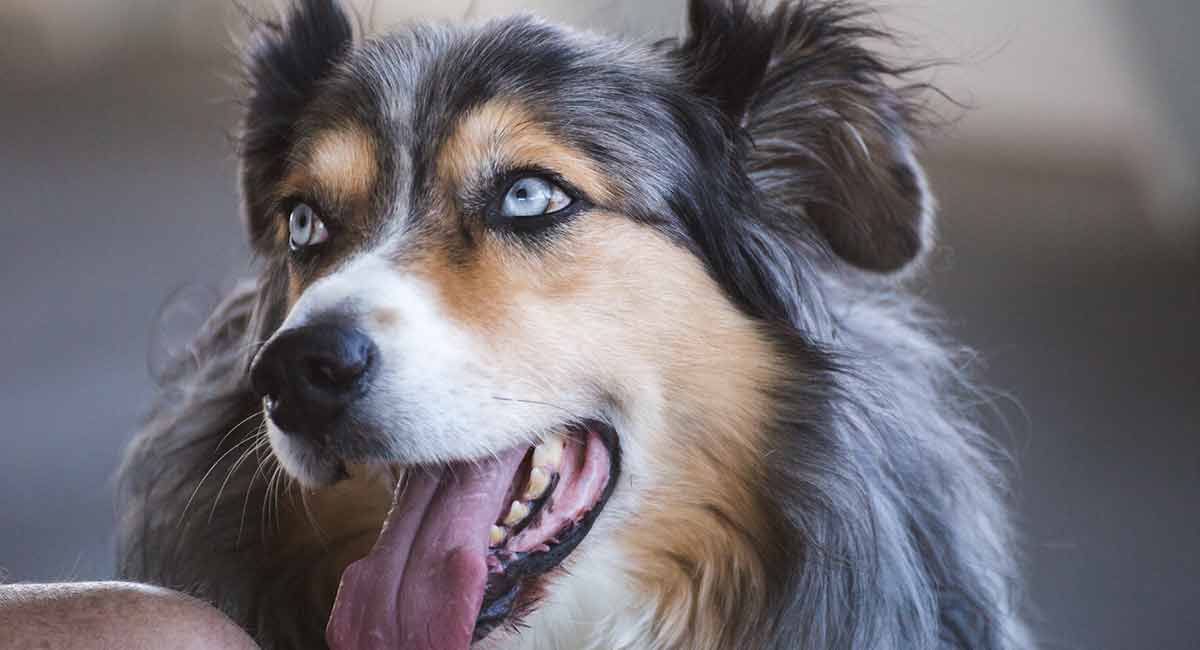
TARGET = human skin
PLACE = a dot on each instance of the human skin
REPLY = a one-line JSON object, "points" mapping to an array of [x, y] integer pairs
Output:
{"points": [[103, 615]]}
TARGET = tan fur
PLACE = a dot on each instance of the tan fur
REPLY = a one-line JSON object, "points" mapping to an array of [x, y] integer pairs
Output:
{"points": [[503, 131], [619, 300], [616, 308], [341, 520], [339, 162], [691, 549], [340, 165]]}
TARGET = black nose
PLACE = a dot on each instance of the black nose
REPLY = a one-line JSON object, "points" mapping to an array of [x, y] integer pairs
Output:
{"points": [[309, 375]]}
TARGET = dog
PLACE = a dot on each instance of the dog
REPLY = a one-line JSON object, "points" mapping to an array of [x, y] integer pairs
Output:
{"points": [[564, 341]]}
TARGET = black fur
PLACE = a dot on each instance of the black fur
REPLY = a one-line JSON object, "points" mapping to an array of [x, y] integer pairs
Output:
{"points": [[777, 148], [828, 137], [285, 63]]}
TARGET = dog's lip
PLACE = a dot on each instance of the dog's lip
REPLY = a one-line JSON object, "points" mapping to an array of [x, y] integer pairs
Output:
{"points": [[438, 517], [515, 588]]}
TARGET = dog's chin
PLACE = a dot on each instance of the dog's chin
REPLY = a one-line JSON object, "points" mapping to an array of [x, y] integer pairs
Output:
{"points": [[471, 543], [310, 467]]}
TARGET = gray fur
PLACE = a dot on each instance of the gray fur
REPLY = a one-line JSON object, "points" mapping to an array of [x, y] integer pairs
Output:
{"points": [[892, 525]]}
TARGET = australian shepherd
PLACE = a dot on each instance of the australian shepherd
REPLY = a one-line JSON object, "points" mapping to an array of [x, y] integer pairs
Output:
{"points": [[565, 341]]}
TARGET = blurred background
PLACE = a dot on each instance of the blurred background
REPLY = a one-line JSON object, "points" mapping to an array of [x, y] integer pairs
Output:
{"points": [[1070, 258]]}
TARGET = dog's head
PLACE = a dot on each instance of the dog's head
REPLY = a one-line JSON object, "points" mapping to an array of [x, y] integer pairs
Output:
{"points": [[540, 268]]}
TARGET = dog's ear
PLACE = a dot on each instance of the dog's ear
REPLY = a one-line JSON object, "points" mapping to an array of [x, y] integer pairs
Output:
{"points": [[829, 137], [285, 61]]}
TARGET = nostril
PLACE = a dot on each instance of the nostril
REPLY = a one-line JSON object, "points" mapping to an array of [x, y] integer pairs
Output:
{"points": [[337, 373], [307, 376], [324, 372], [338, 362]]}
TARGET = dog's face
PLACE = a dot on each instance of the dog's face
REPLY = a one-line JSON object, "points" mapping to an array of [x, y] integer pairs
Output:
{"points": [[515, 260]]}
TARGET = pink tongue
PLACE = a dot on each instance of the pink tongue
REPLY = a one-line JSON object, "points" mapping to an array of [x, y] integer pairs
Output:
{"points": [[422, 585]]}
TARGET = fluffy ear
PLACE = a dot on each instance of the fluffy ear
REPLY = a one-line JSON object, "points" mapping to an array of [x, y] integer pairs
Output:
{"points": [[829, 138], [285, 61]]}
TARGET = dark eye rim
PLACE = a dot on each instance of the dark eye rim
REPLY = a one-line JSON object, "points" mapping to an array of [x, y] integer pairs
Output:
{"points": [[285, 209], [524, 225]]}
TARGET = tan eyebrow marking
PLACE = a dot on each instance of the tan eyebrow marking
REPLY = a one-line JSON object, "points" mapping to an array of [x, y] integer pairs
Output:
{"points": [[340, 161], [504, 131]]}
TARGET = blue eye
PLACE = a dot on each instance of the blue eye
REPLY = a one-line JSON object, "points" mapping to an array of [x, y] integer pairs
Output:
{"points": [[305, 228], [533, 196]]}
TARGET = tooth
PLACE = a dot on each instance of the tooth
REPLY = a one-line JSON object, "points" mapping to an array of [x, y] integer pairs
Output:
{"points": [[548, 454], [518, 512], [496, 535], [539, 480]]}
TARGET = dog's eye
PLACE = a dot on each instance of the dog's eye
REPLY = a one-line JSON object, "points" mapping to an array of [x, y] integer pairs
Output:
{"points": [[305, 228], [533, 196]]}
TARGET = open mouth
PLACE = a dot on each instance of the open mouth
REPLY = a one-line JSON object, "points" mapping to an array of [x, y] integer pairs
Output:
{"points": [[466, 546]]}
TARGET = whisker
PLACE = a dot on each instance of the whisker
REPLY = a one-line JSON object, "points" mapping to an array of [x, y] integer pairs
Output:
{"points": [[287, 493], [312, 518], [236, 426], [265, 512], [203, 479], [535, 402], [282, 480], [397, 473], [228, 475], [570, 435], [262, 443]]}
